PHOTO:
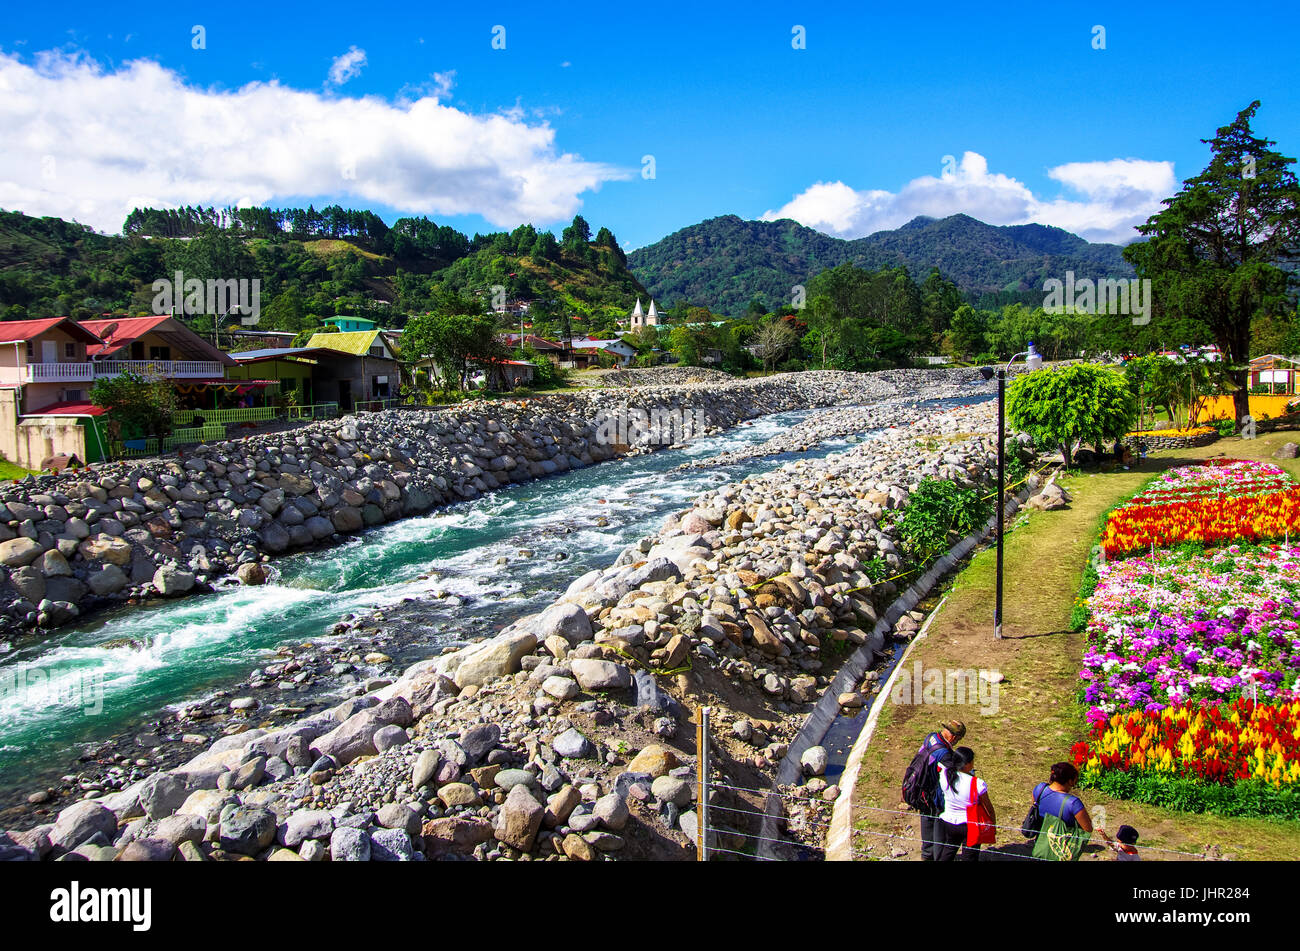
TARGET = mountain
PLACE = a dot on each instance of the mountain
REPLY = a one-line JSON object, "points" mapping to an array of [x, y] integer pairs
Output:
{"points": [[725, 262]]}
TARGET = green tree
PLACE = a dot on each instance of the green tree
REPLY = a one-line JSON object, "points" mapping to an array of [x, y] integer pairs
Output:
{"points": [[1072, 405], [967, 331], [140, 406], [452, 341], [1218, 252]]}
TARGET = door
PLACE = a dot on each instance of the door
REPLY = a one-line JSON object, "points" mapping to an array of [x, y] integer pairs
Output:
{"points": [[345, 396], [49, 351]]}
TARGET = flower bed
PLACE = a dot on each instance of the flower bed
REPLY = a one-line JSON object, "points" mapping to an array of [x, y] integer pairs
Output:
{"points": [[1193, 651], [1183, 626], [1241, 758], [1213, 504]]}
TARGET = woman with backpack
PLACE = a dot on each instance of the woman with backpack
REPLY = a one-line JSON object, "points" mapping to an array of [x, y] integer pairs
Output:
{"points": [[1058, 821], [966, 803]]}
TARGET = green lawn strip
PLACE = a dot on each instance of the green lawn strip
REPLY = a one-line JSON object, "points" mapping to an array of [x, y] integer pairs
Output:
{"points": [[1039, 716], [9, 472]]}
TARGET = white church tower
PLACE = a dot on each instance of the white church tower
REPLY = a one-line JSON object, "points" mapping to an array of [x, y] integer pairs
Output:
{"points": [[641, 319]]}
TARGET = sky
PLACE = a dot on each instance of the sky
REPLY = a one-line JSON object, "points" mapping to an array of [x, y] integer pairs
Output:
{"points": [[645, 118]]}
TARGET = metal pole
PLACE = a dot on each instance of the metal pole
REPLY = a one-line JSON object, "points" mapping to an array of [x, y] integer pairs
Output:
{"points": [[702, 768], [999, 513]]}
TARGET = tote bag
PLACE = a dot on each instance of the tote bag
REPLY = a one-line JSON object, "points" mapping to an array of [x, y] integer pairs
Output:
{"points": [[979, 824], [1059, 842]]}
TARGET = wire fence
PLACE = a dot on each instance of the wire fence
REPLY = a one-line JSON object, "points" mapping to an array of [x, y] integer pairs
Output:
{"points": [[726, 826]]}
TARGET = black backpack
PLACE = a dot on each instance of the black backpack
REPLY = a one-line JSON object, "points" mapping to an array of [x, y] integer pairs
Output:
{"points": [[921, 785]]}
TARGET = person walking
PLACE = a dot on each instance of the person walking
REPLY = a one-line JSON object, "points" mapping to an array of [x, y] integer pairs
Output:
{"points": [[962, 791], [936, 746], [1064, 824]]}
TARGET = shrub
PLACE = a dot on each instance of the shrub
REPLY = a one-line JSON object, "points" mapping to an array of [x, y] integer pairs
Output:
{"points": [[937, 510]]}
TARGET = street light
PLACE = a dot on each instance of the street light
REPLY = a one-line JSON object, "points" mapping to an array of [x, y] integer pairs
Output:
{"points": [[1033, 360]]}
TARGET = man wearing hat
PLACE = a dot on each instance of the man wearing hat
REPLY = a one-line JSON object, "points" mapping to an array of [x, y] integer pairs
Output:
{"points": [[938, 745]]}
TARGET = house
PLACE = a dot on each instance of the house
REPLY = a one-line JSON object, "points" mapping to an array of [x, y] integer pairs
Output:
{"points": [[47, 361], [621, 351], [497, 375], [158, 347], [349, 324], [1274, 371], [370, 374]]}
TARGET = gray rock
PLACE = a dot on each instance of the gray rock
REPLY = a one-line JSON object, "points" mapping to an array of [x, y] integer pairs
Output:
{"points": [[390, 845], [425, 769], [389, 736], [601, 674], [672, 789], [162, 794], [612, 811], [80, 822], [247, 830], [480, 740], [306, 824], [572, 745], [349, 845], [397, 815], [814, 761]]}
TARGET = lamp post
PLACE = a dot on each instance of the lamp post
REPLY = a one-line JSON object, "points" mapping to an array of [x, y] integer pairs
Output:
{"points": [[1033, 360]]}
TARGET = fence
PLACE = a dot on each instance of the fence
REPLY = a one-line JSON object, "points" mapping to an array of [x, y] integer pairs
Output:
{"points": [[374, 406], [185, 417], [725, 821]]}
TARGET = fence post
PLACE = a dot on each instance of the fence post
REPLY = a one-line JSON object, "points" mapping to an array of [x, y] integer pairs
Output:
{"points": [[702, 768]]}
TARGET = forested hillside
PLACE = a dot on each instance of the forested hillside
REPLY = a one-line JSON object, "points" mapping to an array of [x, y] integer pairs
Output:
{"points": [[311, 264], [724, 263]]}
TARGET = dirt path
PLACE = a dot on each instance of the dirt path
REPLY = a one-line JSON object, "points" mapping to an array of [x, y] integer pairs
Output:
{"points": [[1037, 716]]}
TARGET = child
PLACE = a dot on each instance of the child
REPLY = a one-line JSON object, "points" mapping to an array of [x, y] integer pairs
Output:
{"points": [[1125, 845]]}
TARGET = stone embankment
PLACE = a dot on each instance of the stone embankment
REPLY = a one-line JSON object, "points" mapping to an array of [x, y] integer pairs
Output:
{"points": [[164, 527], [565, 736]]}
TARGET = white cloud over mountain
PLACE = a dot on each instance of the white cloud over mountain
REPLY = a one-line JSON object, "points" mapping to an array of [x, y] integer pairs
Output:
{"points": [[89, 143], [1107, 199]]}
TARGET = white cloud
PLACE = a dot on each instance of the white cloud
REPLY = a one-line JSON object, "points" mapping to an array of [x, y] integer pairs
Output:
{"points": [[86, 143], [1111, 198], [348, 66]]}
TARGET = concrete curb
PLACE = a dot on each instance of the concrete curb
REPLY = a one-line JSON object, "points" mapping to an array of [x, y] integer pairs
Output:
{"points": [[819, 721]]}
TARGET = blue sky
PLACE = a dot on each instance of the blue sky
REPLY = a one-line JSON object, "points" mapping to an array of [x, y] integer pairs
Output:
{"points": [[106, 107]]}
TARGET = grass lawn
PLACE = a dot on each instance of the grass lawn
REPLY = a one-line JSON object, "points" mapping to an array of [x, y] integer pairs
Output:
{"points": [[1038, 718], [9, 472]]}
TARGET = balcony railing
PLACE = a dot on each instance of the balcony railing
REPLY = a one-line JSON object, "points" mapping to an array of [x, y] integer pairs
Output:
{"points": [[162, 369], [58, 373]]}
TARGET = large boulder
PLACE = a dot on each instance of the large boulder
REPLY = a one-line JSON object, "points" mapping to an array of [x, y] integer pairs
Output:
{"points": [[565, 620], [595, 674], [81, 821], [170, 580], [354, 737], [520, 819], [247, 830], [498, 657], [162, 794], [19, 552]]}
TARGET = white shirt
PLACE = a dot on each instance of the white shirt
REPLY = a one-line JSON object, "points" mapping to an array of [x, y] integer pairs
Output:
{"points": [[958, 798]]}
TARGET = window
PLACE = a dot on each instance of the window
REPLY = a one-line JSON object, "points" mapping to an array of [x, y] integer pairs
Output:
{"points": [[31, 354], [73, 396], [70, 351], [377, 351], [160, 353]]}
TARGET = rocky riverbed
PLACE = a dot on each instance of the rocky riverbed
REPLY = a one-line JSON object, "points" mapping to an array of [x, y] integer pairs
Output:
{"points": [[127, 532], [565, 736]]}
